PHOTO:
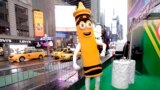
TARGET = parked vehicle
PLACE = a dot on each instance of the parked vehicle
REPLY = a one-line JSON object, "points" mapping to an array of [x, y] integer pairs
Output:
{"points": [[27, 55], [68, 55], [58, 53]]}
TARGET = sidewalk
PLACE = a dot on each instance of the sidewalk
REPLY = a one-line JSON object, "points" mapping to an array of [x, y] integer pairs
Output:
{"points": [[5, 59]]}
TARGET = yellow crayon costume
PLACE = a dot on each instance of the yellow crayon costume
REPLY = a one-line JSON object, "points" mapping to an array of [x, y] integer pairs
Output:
{"points": [[89, 51]]}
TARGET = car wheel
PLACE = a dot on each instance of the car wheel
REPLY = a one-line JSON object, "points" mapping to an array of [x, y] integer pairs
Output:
{"points": [[40, 57], [21, 59]]}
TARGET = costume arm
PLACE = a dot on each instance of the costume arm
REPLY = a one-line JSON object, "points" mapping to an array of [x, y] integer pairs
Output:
{"points": [[99, 42], [77, 67]]}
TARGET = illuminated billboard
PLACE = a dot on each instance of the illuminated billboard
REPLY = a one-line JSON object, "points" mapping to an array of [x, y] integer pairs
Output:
{"points": [[65, 21], [38, 23]]}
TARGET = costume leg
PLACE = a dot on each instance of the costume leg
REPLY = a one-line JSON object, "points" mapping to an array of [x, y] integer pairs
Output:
{"points": [[97, 84], [87, 83]]}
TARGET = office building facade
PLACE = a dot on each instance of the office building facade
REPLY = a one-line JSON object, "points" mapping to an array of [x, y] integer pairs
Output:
{"points": [[48, 9], [16, 19], [16, 25]]}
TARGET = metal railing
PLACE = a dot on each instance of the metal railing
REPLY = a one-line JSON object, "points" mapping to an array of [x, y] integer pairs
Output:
{"points": [[48, 75], [30, 77]]}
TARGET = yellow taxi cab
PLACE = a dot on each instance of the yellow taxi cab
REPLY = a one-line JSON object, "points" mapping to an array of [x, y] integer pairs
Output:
{"points": [[68, 55], [58, 53], [27, 55]]}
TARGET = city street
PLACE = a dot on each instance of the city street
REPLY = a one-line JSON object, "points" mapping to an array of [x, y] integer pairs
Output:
{"points": [[7, 64], [12, 73], [42, 72]]}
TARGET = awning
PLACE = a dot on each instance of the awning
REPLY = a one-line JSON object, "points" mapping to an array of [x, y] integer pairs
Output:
{"points": [[155, 13]]}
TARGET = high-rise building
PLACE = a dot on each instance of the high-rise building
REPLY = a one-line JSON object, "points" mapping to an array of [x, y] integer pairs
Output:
{"points": [[114, 25], [95, 8], [16, 19], [102, 17], [116, 28], [16, 25], [120, 31]]}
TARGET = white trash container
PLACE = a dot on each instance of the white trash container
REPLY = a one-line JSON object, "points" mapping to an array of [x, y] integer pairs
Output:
{"points": [[120, 74], [131, 71]]}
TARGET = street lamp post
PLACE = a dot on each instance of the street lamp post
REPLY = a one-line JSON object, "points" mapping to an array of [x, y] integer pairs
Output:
{"points": [[46, 39], [48, 66]]}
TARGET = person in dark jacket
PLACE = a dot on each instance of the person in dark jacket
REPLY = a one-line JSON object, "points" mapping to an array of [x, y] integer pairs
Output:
{"points": [[126, 49]]}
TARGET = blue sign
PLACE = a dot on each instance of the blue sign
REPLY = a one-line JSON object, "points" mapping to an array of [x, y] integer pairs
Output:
{"points": [[60, 34]]}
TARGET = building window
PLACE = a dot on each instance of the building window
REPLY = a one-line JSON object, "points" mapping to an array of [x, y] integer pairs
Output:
{"points": [[4, 20], [4, 30], [23, 33], [4, 13], [3, 4], [22, 21], [4, 17], [21, 9]]}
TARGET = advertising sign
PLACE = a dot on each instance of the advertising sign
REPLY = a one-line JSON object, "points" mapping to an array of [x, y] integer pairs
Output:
{"points": [[65, 21], [38, 23]]}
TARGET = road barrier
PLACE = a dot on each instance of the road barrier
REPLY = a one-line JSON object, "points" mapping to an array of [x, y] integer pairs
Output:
{"points": [[35, 75], [48, 75]]}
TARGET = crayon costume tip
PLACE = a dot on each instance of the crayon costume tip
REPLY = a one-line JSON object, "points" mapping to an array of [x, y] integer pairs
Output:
{"points": [[81, 10]]}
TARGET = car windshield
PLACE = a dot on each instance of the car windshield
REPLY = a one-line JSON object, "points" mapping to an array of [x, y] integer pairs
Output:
{"points": [[68, 51], [60, 49], [20, 52]]}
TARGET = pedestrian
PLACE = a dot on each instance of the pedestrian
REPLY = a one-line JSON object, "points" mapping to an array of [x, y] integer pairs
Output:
{"points": [[126, 49]]}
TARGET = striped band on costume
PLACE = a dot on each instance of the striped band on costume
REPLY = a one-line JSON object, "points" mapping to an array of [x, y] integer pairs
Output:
{"points": [[93, 70]]}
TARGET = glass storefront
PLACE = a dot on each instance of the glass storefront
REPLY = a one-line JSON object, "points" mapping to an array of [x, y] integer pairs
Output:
{"points": [[11, 46], [65, 39]]}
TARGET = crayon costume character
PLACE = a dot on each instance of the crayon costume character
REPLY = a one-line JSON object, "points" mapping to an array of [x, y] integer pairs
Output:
{"points": [[88, 46]]}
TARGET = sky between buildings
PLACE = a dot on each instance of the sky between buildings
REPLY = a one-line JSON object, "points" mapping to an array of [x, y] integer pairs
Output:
{"points": [[120, 8], [64, 14]]}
